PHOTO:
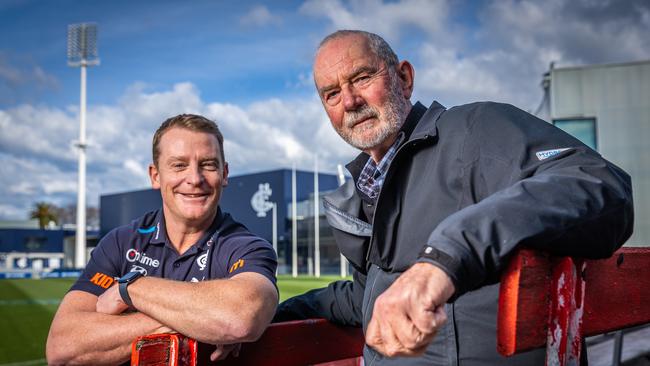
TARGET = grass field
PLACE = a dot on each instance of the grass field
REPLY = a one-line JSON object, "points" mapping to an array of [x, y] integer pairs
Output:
{"points": [[27, 308]]}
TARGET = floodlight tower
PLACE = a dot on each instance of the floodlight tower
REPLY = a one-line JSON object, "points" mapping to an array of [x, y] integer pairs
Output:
{"points": [[82, 52]]}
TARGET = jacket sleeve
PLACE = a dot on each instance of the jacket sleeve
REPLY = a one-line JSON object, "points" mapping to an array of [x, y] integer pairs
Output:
{"points": [[339, 303], [536, 186]]}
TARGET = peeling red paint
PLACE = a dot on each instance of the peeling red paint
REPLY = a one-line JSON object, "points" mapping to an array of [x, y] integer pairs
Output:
{"points": [[565, 322]]}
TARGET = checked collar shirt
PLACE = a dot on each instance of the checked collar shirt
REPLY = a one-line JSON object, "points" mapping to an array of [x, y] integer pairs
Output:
{"points": [[373, 174]]}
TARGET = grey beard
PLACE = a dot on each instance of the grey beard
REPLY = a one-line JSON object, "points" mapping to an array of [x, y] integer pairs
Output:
{"points": [[395, 111]]}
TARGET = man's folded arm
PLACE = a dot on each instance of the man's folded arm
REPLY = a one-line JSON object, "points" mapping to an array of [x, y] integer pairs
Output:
{"points": [[340, 303], [80, 335], [220, 311]]}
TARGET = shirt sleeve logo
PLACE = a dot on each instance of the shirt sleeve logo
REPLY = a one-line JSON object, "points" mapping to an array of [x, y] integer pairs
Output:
{"points": [[102, 280], [239, 264], [543, 155]]}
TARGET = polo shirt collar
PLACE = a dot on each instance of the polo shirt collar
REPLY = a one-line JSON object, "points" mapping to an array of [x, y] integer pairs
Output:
{"points": [[159, 236]]}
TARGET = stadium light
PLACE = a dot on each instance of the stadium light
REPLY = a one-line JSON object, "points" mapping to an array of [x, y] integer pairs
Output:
{"points": [[316, 220], [82, 52], [294, 224]]}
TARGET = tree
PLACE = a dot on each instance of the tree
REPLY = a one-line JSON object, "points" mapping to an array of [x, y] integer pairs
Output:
{"points": [[68, 215], [44, 213]]}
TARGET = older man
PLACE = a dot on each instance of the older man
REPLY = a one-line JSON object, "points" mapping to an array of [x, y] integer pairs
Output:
{"points": [[187, 267], [439, 199]]}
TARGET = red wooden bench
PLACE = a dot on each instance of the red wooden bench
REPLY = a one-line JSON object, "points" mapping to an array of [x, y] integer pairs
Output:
{"points": [[554, 302], [544, 301], [296, 343]]}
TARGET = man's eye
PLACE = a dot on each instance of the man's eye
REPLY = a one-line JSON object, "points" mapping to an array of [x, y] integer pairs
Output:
{"points": [[178, 166], [331, 94], [361, 80], [331, 97], [210, 166]]}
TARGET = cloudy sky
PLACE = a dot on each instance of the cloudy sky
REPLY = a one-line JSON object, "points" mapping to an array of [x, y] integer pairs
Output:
{"points": [[247, 64]]}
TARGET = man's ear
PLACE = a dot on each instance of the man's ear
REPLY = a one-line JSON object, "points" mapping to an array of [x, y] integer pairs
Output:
{"points": [[406, 74], [224, 179], [154, 176]]}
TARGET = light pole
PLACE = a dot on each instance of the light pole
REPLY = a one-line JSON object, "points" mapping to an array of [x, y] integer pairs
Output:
{"points": [[294, 224], [344, 261], [274, 227], [316, 221], [82, 52]]}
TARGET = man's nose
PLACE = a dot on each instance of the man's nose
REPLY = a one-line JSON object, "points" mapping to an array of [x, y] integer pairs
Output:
{"points": [[194, 175], [352, 100]]}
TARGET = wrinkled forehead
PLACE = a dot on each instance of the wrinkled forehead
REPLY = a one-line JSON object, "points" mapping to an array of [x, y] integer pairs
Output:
{"points": [[346, 52]]}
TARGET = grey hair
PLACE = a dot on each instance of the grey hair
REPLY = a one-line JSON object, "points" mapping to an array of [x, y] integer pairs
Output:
{"points": [[377, 45]]}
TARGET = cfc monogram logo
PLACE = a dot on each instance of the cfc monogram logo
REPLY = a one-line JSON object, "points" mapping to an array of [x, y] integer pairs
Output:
{"points": [[102, 280], [202, 260], [237, 265]]}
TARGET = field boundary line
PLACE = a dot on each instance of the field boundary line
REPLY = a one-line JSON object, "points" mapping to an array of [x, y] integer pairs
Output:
{"points": [[40, 361], [18, 302]]}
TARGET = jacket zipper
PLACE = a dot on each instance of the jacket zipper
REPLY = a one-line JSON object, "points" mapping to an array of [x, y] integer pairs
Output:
{"points": [[390, 170]]}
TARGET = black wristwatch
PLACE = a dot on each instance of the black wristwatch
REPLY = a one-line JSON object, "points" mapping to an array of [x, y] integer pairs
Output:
{"points": [[124, 281]]}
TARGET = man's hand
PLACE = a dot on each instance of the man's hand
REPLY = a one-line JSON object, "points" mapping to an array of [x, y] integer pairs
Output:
{"points": [[223, 350], [407, 316], [110, 302]]}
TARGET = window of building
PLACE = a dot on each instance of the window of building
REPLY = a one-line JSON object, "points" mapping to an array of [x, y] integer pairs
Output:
{"points": [[584, 129], [34, 243]]}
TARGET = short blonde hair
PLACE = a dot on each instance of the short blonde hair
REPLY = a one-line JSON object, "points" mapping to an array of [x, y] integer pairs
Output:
{"points": [[190, 122]]}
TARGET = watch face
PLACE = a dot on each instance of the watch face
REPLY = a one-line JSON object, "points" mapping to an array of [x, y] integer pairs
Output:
{"points": [[129, 277]]}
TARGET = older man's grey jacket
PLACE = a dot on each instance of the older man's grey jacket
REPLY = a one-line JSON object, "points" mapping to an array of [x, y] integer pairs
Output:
{"points": [[473, 182]]}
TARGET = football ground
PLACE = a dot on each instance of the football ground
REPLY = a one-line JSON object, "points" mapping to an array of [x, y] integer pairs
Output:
{"points": [[27, 307]]}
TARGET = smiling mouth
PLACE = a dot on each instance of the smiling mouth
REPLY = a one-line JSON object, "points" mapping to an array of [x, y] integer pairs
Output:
{"points": [[193, 195]]}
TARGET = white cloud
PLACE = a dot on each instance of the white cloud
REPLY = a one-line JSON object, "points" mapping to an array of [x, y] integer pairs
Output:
{"points": [[259, 16], [25, 188], [391, 20], [21, 79], [570, 31], [504, 55], [499, 52], [59, 186], [40, 164], [137, 169]]}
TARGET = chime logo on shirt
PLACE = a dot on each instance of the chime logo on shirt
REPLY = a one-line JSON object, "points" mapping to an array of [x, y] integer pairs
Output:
{"points": [[102, 280], [133, 255], [237, 265]]}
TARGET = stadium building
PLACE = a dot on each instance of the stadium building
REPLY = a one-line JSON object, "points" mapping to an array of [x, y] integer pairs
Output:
{"points": [[251, 199], [608, 108], [28, 251]]}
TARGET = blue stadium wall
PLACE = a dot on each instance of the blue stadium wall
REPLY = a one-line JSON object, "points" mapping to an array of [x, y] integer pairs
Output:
{"points": [[122, 208], [33, 240]]}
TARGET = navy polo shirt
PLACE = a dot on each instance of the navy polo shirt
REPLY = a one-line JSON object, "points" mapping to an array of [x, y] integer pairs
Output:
{"points": [[227, 249]]}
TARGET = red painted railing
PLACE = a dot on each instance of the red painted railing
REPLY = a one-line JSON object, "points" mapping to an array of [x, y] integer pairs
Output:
{"points": [[554, 302], [544, 301], [296, 343]]}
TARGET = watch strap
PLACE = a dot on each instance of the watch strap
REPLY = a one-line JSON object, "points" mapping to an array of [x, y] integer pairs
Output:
{"points": [[124, 293], [124, 282]]}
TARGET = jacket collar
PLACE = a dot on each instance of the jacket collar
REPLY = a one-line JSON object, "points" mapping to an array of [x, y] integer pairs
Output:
{"points": [[425, 126]]}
